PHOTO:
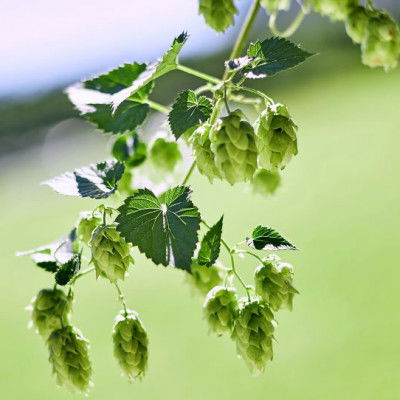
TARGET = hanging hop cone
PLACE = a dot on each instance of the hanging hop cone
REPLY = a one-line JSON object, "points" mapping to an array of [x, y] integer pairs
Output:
{"points": [[276, 137], [266, 182], [334, 9], [357, 23], [220, 308], [233, 144], [68, 354], [164, 154], [203, 278], [50, 311], [87, 223], [273, 6], [253, 334], [205, 158], [381, 44], [130, 344], [110, 253], [273, 281]]}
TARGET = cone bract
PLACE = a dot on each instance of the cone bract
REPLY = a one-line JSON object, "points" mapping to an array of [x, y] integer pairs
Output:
{"points": [[234, 147], [266, 182], [130, 344], [203, 278], [88, 222], [220, 308], [110, 253], [334, 9], [276, 137], [218, 13], [50, 310], [68, 354], [253, 334], [275, 5], [357, 23], [273, 281]]}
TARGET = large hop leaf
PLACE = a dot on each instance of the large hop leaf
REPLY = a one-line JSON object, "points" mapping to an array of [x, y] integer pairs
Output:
{"points": [[68, 354], [220, 308], [273, 280], [205, 158], [130, 344], [234, 148], [110, 253], [50, 311], [276, 137], [219, 14], [253, 333], [203, 278], [334, 9]]}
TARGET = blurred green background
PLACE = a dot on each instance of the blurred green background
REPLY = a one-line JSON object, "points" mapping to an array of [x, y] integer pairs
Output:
{"points": [[339, 204]]}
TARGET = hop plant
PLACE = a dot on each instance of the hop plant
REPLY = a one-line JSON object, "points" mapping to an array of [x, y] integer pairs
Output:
{"points": [[218, 13], [357, 23], [220, 308], [273, 281], [130, 344], [334, 9], [165, 155], [275, 5], [266, 182], [234, 147], [203, 278], [50, 311], [110, 253], [88, 222], [276, 137], [68, 354], [253, 334]]}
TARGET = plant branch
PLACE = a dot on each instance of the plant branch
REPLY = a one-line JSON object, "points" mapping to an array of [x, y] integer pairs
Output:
{"points": [[121, 298], [199, 74], [157, 106], [189, 173], [83, 273], [292, 28]]}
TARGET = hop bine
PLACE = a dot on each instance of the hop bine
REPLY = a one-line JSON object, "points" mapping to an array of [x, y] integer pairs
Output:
{"points": [[50, 311], [233, 144], [68, 354], [220, 308], [130, 344], [253, 334], [203, 278], [273, 281], [110, 253]]}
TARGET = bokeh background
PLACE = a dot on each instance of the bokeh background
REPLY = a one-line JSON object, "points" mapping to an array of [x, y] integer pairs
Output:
{"points": [[339, 203]]}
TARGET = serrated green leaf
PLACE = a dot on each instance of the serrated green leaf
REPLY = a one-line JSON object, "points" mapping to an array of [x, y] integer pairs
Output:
{"points": [[96, 181], [168, 63], [210, 245], [269, 57], [265, 238], [68, 270], [164, 228], [188, 111], [130, 150], [219, 14]]}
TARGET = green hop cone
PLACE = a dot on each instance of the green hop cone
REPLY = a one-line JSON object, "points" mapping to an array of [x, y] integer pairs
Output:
{"points": [[253, 334], [165, 155], [130, 344], [110, 253], [220, 308], [272, 6], [276, 137], [87, 223], [273, 281], [50, 311], [205, 158], [218, 13], [357, 23], [234, 147], [68, 354], [334, 9], [266, 182], [381, 45], [203, 278]]}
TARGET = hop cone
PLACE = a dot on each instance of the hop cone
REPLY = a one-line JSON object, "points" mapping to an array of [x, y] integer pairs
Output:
{"points": [[50, 310], [253, 333], [276, 137], [110, 253], [203, 278], [266, 182], [68, 354], [273, 281], [130, 344], [88, 222], [334, 9], [218, 13], [381, 45], [233, 144], [165, 155], [275, 5], [205, 159], [357, 23], [220, 307]]}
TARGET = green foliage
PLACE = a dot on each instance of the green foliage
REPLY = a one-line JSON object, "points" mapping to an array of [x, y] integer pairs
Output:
{"points": [[164, 228], [87, 223], [203, 278], [266, 182], [164, 154], [219, 14], [188, 111], [130, 344], [130, 150], [265, 238], [68, 270], [210, 245]]}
